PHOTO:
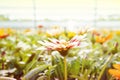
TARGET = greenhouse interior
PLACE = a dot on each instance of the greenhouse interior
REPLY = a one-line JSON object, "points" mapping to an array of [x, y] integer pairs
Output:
{"points": [[59, 39]]}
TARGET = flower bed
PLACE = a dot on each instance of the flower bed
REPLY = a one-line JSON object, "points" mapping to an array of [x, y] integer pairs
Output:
{"points": [[39, 54]]}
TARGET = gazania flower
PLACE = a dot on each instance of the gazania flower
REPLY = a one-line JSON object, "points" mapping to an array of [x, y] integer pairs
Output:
{"points": [[70, 34], [117, 32], [115, 72], [101, 39], [61, 46], [4, 36], [94, 32], [40, 26], [27, 30], [3, 33]]}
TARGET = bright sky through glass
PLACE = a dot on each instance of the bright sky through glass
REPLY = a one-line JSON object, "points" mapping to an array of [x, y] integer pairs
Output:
{"points": [[59, 9]]}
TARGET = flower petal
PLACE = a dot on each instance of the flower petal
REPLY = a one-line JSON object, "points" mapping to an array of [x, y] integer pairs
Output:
{"points": [[116, 66], [115, 73]]}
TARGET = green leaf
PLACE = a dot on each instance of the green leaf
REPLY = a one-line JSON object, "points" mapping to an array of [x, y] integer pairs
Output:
{"points": [[31, 74], [75, 67], [59, 69]]}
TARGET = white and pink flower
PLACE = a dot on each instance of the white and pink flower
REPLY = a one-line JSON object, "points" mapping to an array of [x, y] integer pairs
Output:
{"points": [[62, 46]]}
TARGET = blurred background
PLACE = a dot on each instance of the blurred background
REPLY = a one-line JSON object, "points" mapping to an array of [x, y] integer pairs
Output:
{"points": [[64, 13]]}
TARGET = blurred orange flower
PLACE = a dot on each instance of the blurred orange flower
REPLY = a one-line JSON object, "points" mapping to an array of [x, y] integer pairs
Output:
{"points": [[94, 32], [101, 39], [27, 30], [40, 26], [115, 72], [4, 33]]}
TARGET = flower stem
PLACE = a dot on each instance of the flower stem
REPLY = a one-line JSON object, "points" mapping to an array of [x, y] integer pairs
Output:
{"points": [[3, 65], [104, 67], [65, 69], [49, 73]]}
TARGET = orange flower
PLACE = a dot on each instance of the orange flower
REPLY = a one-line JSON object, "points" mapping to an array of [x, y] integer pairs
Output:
{"points": [[40, 26], [103, 39], [116, 66], [115, 72], [94, 32], [109, 36], [27, 30], [3, 33], [4, 36]]}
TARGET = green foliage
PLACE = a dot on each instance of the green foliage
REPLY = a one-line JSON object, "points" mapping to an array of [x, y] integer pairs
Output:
{"points": [[59, 69], [32, 75], [75, 67]]}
